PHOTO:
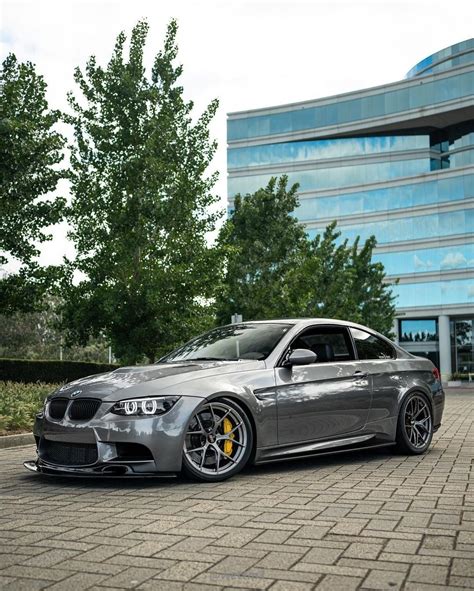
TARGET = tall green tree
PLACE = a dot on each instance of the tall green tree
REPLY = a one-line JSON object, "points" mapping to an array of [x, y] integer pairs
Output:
{"points": [[31, 150], [274, 270], [263, 242], [140, 204], [339, 280]]}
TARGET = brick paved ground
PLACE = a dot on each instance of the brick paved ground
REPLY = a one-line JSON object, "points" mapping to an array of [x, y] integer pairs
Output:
{"points": [[354, 521]]}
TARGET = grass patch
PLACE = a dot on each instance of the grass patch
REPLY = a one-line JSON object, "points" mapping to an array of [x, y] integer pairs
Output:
{"points": [[19, 403]]}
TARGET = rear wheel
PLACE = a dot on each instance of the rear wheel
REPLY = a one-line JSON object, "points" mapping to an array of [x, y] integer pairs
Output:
{"points": [[415, 425], [218, 441]]}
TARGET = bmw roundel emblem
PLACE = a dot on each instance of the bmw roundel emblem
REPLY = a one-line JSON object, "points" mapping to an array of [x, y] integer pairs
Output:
{"points": [[76, 393]]}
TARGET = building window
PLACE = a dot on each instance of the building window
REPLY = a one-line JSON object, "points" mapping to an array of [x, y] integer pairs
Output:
{"points": [[462, 335], [419, 330]]}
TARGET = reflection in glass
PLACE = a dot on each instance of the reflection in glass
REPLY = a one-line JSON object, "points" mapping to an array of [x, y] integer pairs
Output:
{"points": [[344, 111], [418, 331], [414, 228], [434, 293]]}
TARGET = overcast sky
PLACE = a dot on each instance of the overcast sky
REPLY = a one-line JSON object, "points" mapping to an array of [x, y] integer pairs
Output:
{"points": [[247, 53]]}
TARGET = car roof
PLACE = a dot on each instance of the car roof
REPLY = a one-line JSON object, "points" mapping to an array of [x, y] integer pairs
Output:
{"points": [[305, 321]]}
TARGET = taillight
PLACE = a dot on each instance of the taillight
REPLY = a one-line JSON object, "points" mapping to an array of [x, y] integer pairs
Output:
{"points": [[437, 375]]}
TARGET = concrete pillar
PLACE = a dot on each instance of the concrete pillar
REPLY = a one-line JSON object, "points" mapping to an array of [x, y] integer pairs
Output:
{"points": [[444, 348]]}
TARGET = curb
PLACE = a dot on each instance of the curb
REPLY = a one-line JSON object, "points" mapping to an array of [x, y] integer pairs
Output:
{"points": [[7, 441]]}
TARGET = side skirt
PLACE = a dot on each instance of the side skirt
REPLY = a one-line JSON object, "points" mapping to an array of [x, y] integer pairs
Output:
{"points": [[323, 448]]}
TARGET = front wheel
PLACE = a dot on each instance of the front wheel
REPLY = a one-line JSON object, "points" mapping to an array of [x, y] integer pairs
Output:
{"points": [[218, 441], [415, 425]]}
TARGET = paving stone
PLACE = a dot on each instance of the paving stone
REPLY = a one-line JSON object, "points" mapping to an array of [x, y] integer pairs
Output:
{"points": [[322, 555], [283, 560], [402, 546], [183, 571], [421, 573], [381, 579], [130, 578], [291, 586], [339, 582], [362, 550]]}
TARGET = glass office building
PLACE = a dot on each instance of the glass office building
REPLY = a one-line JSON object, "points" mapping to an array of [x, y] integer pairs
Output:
{"points": [[396, 161]]}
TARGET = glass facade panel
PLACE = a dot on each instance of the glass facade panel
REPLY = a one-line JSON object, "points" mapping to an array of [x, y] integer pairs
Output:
{"points": [[419, 330], [328, 178], [419, 227], [375, 105], [434, 293], [427, 259], [463, 346], [288, 152], [399, 197], [450, 57]]}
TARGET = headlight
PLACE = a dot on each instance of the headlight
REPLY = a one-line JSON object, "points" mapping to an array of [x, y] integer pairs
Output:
{"points": [[156, 405]]}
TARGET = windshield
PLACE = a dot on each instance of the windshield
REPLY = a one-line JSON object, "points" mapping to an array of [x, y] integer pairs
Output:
{"points": [[230, 343]]}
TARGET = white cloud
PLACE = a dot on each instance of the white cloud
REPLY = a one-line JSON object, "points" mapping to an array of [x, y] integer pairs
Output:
{"points": [[453, 260]]}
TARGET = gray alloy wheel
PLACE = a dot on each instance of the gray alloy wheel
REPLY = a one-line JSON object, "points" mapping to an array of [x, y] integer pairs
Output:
{"points": [[415, 425], [218, 441]]}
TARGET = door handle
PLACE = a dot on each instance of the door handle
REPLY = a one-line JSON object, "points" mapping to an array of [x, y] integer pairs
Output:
{"points": [[360, 374]]}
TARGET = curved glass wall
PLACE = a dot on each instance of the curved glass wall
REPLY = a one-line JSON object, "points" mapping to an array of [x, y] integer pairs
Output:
{"points": [[390, 198], [345, 111], [425, 260], [434, 293], [409, 228], [301, 151], [449, 57], [338, 176]]}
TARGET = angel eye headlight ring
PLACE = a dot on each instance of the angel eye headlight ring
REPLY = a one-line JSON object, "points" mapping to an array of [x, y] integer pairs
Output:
{"points": [[151, 406]]}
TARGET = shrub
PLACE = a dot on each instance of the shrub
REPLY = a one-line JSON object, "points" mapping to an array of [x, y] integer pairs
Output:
{"points": [[48, 371], [19, 403]]}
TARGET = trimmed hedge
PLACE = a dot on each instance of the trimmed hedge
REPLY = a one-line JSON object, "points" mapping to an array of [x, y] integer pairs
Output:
{"points": [[28, 371]]}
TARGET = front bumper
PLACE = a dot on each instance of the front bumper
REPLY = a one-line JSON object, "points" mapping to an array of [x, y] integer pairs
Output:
{"points": [[106, 446]]}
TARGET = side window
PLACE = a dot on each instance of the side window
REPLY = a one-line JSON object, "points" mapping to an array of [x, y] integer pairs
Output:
{"points": [[371, 347], [330, 343]]}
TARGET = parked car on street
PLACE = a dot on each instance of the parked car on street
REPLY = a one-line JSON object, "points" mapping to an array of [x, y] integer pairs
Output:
{"points": [[249, 392]]}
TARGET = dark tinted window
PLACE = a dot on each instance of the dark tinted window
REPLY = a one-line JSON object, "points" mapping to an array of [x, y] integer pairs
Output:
{"points": [[371, 347], [330, 343]]}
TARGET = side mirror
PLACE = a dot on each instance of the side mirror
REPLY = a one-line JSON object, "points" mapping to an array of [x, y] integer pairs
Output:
{"points": [[300, 357]]}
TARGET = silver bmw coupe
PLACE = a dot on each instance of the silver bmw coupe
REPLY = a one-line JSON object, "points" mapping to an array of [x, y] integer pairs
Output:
{"points": [[250, 392]]}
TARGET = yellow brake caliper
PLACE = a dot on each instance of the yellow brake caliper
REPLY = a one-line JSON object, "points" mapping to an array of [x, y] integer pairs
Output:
{"points": [[228, 445]]}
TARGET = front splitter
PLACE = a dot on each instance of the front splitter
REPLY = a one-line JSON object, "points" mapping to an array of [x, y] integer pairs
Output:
{"points": [[69, 472]]}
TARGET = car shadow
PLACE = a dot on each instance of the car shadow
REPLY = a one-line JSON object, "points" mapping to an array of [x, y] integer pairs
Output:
{"points": [[310, 463]]}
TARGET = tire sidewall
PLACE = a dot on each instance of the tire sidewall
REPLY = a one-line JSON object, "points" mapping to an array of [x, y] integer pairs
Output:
{"points": [[401, 432], [195, 474]]}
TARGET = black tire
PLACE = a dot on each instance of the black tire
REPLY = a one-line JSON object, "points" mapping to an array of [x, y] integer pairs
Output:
{"points": [[206, 432], [415, 425]]}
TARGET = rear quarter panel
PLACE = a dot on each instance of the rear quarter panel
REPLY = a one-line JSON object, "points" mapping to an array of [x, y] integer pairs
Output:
{"points": [[399, 378]]}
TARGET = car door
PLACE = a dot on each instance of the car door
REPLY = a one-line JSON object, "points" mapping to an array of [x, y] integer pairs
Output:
{"points": [[380, 362], [328, 398]]}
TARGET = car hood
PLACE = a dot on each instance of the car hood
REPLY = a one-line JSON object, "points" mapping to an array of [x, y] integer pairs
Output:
{"points": [[163, 375]]}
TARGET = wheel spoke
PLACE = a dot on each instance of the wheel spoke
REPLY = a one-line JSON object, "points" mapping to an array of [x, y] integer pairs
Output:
{"points": [[223, 417], [221, 453], [232, 440], [234, 429], [203, 456], [190, 451], [213, 416]]}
